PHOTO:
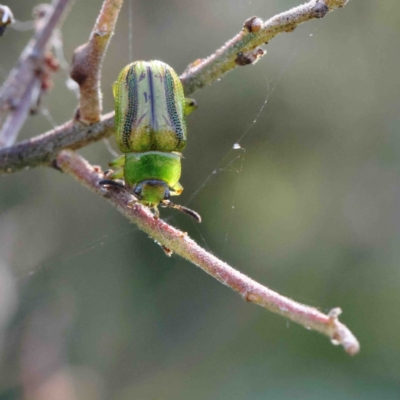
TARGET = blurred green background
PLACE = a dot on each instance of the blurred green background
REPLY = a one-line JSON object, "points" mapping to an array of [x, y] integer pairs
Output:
{"points": [[91, 308]]}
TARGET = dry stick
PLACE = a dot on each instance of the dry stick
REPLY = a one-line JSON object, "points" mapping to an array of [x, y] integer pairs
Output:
{"points": [[178, 242], [88, 59], [25, 79], [47, 145], [16, 119], [41, 150], [255, 32]]}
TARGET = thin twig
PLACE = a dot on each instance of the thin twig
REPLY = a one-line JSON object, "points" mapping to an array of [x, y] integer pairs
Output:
{"points": [[43, 149], [16, 119], [19, 157], [254, 33], [178, 242], [26, 78], [88, 59]]}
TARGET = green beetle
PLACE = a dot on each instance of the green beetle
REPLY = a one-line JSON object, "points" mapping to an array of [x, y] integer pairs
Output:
{"points": [[150, 110]]}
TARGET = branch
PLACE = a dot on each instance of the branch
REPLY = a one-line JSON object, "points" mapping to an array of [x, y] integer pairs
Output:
{"points": [[240, 49], [26, 80], [173, 240], [195, 77], [88, 59], [42, 150]]}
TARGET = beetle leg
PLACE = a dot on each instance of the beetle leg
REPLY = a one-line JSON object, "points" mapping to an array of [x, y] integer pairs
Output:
{"points": [[119, 162], [190, 105], [111, 182], [156, 212], [118, 174], [177, 189]]}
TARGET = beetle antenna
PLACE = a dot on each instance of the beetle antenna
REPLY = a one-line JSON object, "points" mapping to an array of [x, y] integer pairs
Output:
{"points": [[183, 209], [110, 182]]}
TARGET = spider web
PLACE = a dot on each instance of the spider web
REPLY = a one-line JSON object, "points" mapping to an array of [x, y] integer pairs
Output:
{"points": [[232, 162]]}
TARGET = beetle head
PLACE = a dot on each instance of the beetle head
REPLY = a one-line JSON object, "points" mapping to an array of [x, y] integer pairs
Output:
{"points": [[151, 192]]}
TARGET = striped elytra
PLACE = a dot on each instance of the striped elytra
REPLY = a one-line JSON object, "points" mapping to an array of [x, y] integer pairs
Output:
{"points": [[149, 108]]}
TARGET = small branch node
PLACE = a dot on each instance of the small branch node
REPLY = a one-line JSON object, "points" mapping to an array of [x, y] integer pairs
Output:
{"points": [[320, 10], [253, 24], [250, 57], [87, 62], [334, 313]]}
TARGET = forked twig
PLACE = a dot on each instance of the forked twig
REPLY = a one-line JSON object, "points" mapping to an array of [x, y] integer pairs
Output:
{"points": [[254, 33], [25, 80], [240, 49], [88, 59], [178, 242], [42, 149]]}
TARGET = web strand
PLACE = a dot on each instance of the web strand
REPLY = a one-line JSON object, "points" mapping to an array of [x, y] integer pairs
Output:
{"points": [[228, 167], [130, 31]]}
